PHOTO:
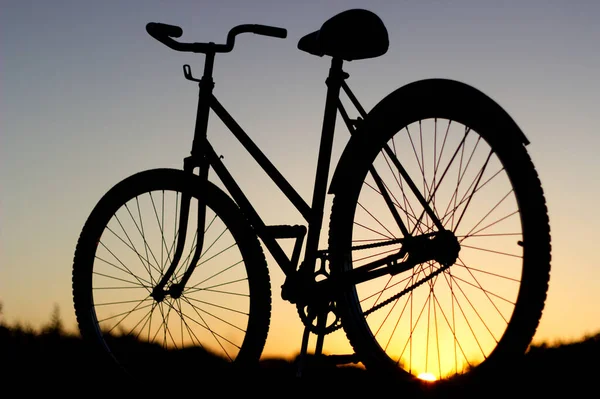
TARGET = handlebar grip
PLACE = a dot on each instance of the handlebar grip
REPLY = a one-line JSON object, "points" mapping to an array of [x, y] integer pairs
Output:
{"points": [[269, 31], [159, 30]]}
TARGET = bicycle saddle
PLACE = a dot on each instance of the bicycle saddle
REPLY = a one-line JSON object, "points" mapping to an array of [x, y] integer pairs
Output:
{"points": [[350, 35]]}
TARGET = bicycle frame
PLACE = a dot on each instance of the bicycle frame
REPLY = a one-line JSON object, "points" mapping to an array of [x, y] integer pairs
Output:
{"points": [[203, 157]]}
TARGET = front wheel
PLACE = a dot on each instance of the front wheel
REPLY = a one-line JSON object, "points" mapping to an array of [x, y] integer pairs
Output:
{"points": [[222, 314], [442, 316]]}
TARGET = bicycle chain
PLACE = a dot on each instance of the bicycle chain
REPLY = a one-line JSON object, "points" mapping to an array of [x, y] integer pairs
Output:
{"points": [[375, 245], [401, 293], [405, 291], [383, 244]]}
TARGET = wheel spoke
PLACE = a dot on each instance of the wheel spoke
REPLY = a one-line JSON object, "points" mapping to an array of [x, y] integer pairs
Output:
{"points": [[130, 247]]}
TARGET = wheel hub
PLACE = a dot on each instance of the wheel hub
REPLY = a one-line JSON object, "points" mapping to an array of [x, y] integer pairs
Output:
{"points": [[174, 291], [445, 248], [158, 294]]}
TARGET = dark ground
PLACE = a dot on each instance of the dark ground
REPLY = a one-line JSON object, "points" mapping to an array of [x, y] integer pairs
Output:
{"points": [[53, 362]]}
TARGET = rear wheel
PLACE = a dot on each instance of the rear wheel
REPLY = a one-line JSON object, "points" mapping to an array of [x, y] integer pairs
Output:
{"points": [[221, 316], [438, 320]]}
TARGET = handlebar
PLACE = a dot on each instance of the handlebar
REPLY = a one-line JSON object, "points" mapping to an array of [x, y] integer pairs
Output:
{"points": [[165, 33]]}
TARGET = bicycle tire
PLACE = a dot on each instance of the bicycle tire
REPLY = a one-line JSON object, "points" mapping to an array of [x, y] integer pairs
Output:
{"points": [[387, 319], [221, 318]]}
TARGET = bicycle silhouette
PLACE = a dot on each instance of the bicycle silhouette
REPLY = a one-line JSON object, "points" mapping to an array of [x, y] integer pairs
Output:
{"points": [[438, 256]]}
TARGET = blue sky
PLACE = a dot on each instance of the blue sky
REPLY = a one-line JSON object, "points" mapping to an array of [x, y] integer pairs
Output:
{"points": [[88, 98]]}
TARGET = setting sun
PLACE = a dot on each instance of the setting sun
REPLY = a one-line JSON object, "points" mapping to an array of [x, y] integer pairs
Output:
{"points": [[427, 377]]}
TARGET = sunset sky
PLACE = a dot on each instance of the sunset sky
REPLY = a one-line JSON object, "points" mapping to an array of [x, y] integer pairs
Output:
{"points": [[88, 98]]}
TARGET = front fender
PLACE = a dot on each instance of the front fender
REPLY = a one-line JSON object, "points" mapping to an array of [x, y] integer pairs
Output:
{"points": [[430, 98]]}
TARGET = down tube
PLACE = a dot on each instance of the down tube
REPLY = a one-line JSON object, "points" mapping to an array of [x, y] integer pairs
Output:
{"points": [[262, 160], [248, 210]]}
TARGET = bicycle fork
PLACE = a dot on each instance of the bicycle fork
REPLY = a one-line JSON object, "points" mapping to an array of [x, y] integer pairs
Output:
{"points": [[176, 288]]}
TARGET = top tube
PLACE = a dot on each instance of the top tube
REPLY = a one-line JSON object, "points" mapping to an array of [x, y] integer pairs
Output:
{"points": [[165, 33]]}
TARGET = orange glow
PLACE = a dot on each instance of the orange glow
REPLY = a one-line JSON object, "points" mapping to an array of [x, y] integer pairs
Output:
{"points": [[427, 377]]}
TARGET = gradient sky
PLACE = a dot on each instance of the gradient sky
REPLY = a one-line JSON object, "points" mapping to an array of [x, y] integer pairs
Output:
{"points": [[88, 98]]}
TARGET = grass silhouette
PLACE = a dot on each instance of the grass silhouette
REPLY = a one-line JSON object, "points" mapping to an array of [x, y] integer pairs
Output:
{"points": [[52, 359]]}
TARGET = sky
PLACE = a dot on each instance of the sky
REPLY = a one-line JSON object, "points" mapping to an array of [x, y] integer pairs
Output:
{"points": [[88, 98]]}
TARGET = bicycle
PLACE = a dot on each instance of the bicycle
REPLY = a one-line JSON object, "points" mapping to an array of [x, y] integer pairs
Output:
{"points": [[170, 261]]}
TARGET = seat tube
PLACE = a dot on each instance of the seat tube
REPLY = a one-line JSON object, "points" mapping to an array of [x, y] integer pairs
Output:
{"points": [[334, 82]]}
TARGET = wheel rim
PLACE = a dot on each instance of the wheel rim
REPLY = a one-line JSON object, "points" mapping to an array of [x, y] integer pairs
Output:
{"points": [[456, 317], [132, 254]]}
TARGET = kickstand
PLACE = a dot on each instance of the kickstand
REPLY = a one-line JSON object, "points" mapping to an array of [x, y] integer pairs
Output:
{"points": [[321, 321], [303, 350]]}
